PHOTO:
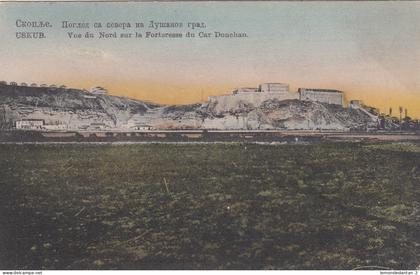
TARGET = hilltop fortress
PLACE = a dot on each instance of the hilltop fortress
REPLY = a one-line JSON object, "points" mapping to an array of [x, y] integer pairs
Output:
{"points": [[268, 106], [279, 91]]}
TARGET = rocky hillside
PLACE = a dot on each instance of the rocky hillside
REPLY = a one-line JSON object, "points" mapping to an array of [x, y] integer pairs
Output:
{"points": [[77, 110], [296, 114], [67, 107]]}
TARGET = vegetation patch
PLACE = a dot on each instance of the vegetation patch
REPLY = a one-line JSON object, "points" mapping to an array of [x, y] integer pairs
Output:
{"points": [[209, 206]]}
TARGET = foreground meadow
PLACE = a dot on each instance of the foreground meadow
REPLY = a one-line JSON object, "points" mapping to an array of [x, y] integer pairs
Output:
{"points": [[209, 206]]}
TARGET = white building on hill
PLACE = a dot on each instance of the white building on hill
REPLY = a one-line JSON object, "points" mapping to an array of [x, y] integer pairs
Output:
{"points": [[30, 124], [245, 90], [322, 95], [274, 88], [355, 104], [98, 91], [255, 96]]}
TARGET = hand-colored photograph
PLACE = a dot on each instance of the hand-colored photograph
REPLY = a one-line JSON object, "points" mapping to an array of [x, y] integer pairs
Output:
{"points": [[210, 135]]}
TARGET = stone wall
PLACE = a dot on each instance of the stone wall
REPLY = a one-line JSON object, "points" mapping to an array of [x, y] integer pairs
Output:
{"points": [[274, 87], [322, 96], [229, 102]]}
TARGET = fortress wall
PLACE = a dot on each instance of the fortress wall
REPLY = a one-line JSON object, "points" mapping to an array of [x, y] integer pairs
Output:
{"points": [[327, 97], [231, 102]]}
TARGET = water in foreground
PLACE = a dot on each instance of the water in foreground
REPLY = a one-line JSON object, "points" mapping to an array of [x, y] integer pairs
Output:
{"points": [[209, 206]]}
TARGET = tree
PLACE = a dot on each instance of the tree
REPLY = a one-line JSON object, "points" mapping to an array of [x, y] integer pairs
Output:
{"points": [[401, 110]]}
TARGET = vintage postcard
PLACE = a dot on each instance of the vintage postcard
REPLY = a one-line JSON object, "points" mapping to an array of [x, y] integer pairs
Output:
{"points": [[210, 135]]}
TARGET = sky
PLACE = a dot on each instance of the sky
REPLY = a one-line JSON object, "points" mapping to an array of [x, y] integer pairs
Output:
{"points": [[369, 50]]}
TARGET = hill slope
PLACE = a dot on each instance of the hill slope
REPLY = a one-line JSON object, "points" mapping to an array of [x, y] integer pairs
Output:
{"points": [[77, 110]]}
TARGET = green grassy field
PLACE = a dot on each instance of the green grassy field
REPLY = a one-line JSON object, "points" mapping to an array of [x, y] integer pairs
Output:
{"points": [[209, 206]]}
